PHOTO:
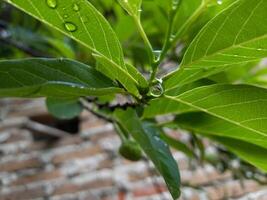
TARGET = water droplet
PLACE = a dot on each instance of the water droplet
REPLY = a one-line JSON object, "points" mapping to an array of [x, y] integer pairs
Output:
{"points": [[70, 27], [175, 4], [51, 3], [172, 37], [157, 54], [66, 16], [219, 2], [76, 7], [156, 90]]}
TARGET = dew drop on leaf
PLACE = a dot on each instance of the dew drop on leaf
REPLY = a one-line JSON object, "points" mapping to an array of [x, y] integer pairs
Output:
{"points": [[172, 37], [51, 3], [156, 90], [66, 16], [157, 54], [70, 26], [219, 2], [76, 7]]}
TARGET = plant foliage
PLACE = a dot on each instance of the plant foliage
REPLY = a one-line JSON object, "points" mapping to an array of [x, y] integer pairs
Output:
{"points": [[119, 48]]}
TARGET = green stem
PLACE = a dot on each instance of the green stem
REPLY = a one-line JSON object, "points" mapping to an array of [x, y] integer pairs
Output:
{"points": [[166, 46], [145, 38], [119, 132], [170, 42]]}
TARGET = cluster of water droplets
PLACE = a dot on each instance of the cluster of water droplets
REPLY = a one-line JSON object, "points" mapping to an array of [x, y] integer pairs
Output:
{"points": [[69, 26]]}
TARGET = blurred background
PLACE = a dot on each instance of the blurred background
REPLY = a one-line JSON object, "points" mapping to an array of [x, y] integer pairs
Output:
{"points": [[44, 158]]}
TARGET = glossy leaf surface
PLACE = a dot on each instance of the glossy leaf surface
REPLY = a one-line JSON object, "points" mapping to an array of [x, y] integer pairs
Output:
{"points": [[52, 78]]}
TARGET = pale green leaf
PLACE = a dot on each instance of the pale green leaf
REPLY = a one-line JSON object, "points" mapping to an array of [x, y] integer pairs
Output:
{"points": [[52, 77], [248, 146], [203, 123], [239, 107], [253, 154], [155, 107], [236, 36]]}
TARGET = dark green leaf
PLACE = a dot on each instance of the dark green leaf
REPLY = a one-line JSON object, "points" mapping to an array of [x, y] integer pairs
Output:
{"points": [[52, 78], [157, 150], [83, 23], [64, 108], [178, 145]]}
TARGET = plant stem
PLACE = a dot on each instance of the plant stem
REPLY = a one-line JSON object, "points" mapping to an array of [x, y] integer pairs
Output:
{"points": [[167, 43], [90, 108], [145, 38]]}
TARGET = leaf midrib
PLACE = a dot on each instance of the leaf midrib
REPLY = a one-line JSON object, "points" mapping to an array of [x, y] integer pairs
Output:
{"points": [[213, 114]]}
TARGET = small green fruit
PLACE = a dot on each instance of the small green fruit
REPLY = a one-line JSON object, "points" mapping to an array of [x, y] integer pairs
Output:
{"points": [[130, 150]]}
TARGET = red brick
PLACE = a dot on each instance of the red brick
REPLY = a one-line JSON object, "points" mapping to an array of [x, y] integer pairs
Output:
{"points": [[17, 135], [26, 194], [43, 176], [74, 188], [148, 191], [83, 153], [104, 164], [69, 140], [19, 165], [91, 123], [96, 137]]}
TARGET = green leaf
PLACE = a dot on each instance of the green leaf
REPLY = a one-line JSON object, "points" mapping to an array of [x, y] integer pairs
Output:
{"points": [[248, 146], [64, 108], [187, 13], [162, 106], [155, 108], [206, 124], [131, 6], [52, 78], [178, 145], [253, 154], [142, 82], [242, 106], [157, 150], [234, 37], [83, 23], [103, 65]]}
